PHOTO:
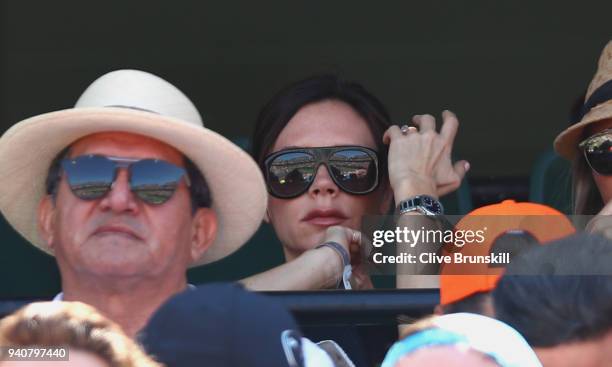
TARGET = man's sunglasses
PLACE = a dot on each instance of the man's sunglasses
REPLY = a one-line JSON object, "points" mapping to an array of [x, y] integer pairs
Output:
{"points": [[290, 172], [598, 152], [153, 181]]}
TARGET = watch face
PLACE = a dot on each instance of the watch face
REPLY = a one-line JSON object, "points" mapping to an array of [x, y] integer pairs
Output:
{"points": [[432, 205], [436, 208]]}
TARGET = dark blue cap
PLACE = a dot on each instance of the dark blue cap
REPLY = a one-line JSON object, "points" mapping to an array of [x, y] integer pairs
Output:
{"points": [[223, 325]]}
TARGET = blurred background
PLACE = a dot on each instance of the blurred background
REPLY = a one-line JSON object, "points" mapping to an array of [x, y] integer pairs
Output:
{"points": [[511, 70]]}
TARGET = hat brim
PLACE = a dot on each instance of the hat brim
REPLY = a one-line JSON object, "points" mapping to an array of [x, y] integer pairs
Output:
{"points": [[566, 143], [28, 148]]}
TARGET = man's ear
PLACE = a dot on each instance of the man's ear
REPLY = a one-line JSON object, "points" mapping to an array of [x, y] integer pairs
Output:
{"points": [[204, 232], [46, 219]]}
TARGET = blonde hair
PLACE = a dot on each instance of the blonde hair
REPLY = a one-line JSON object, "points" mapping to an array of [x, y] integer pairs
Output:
{"points": [[75, 325]]}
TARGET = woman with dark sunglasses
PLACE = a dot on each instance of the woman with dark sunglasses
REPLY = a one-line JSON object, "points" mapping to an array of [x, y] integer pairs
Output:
{"points": [[588, 144], [330, 155]]}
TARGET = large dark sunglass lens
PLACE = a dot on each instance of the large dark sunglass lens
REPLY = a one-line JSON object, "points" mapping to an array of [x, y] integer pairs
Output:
{"points": [[289, 174], [89, 177], [599, 154], [154, 181], [354, 170]]}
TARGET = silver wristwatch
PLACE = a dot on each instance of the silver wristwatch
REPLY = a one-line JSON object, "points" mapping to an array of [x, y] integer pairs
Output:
{"points": [[424, 204]]}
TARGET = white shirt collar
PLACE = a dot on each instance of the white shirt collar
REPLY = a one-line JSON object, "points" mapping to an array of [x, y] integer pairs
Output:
{"points": [[60, 296]]}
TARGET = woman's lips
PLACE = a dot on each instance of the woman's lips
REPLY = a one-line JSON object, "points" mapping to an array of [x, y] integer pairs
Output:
{"points": [[324, 217], [325, 221]]}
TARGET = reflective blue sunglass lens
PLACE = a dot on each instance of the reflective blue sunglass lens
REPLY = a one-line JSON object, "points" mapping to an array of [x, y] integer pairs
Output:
{"points": [[354, 170], [154, 181], [289, 174], [90, 177]]}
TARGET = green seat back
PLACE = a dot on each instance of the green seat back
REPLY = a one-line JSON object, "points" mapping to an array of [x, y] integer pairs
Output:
{"points": [[25, 271], [551, 183]]}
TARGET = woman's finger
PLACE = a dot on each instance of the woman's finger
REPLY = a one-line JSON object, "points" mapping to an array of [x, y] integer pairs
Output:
{"points": [[450, 125], [425, 122], [392, 132]]}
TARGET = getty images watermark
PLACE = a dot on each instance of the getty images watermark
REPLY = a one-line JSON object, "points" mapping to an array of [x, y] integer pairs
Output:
{"points": [[428, 237], [34, 353], [417, 244]]}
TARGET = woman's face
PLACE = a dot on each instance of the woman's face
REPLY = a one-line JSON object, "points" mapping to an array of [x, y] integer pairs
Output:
{"points": [[604, 183], [300, 223]]}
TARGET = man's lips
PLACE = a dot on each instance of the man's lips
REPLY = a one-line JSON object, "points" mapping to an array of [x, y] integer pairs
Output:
{"points": [[324, 217], [117, 230]]}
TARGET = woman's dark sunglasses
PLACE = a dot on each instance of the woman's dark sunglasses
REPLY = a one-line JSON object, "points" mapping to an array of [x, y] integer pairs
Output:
{"points": [[153, 181], [598, 152], [290, 172]]}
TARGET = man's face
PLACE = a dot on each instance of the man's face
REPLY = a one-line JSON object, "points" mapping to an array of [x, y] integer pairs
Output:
{"points": [[119, 234]]}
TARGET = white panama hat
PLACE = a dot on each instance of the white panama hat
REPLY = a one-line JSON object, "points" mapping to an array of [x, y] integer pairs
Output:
{"points": [[135, 102]]}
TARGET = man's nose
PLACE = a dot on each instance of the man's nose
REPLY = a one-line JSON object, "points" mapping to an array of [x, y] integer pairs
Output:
{"points": [[323, 183], [120, 198]]}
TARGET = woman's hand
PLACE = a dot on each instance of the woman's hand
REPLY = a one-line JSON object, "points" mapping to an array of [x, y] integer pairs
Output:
{"points": [[420, 159], [350, 239], [602, 222]]}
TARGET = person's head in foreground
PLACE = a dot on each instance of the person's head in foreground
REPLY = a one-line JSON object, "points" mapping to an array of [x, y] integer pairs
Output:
{"points": [[222, 325], [512, 227], [319, 142], [127, 190], [588, 142], [91, 339], [461, 339], [559, 297]]}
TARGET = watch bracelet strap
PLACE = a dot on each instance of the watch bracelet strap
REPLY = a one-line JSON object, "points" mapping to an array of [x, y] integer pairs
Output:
{"points": [[407, 206], [346, 262], [415, 203]]}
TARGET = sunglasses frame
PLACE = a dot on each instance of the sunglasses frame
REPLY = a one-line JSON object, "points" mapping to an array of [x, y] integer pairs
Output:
{"points": [[125, 163], [321, 155], [583, 146]]}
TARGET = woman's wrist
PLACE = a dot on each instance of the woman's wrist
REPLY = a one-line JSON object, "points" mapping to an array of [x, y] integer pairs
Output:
{"points": [[414, 186], [332, 265]]}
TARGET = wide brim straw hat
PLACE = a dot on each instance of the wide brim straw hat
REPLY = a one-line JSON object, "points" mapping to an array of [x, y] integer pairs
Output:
{"points": [[134, 102], [597, 107]]}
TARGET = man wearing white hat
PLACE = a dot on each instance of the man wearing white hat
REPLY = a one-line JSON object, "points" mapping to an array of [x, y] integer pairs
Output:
{"points": [[127, 190]]}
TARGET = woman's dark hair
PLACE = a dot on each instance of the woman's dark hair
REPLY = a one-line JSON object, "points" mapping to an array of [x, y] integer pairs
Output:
{"points": [[275, 115]]}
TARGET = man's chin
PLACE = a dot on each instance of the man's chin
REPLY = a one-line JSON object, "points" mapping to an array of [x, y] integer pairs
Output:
{"points": [[113, 267], [117, 260]]}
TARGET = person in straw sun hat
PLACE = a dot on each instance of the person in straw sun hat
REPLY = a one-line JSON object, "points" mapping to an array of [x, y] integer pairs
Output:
{"points": [[588, 143], [127, 190]]}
